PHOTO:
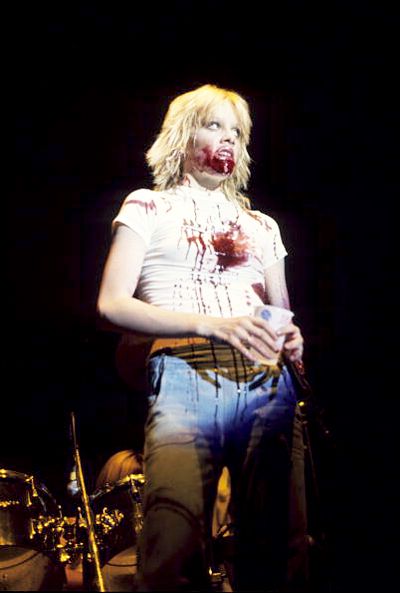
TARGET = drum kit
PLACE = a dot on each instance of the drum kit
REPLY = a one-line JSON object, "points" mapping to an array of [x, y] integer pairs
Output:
{"points": [[40, 549], [43, 550]]}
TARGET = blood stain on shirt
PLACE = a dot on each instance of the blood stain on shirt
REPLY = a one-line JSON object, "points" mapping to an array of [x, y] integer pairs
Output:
{"points": [[260, 219], [198, 242], [259, 289], [148, 205], [231, 247]]}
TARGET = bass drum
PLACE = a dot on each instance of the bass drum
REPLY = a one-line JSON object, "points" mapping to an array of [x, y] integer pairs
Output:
{"points": [[28, 535], [118, 517]]}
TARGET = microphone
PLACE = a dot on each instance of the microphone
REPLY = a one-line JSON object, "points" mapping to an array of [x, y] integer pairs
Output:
{"points": [[73, 487]]}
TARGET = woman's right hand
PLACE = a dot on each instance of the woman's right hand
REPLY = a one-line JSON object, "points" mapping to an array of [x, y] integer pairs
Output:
{"points": [[252, 336]]}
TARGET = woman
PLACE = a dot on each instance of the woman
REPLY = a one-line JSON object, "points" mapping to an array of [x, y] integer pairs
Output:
{"points": [[188, 264]]}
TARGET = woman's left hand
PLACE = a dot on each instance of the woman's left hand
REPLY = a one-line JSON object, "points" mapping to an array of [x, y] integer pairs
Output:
{"points": [[293, 344]]}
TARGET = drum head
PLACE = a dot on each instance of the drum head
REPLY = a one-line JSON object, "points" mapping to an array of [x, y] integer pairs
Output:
{"points": [[22, 501], [118, 546], [29, 570], [125, 499], [119, 572], [24, 564]]}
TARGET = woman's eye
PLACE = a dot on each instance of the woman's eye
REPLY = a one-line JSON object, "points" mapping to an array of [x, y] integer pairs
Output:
{"points": [[213, 125], [237, 132]]}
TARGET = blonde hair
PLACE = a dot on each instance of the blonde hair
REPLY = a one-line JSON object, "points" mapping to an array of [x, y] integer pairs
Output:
{"points": [[185, 115], [120, 465]]}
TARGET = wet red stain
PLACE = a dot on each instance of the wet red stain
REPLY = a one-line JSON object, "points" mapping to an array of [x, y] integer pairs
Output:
{"points": [[198, 242], [221, 163], [261, 220], [231, 247], [195, 239], [259, 289], [148, 205]]}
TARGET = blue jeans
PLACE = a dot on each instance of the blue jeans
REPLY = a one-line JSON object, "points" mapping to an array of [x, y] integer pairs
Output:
{"points": [[208, 408]]}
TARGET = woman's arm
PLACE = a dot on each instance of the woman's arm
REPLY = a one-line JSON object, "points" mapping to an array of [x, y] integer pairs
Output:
{"points": [[120, 311], [277, 294], [116, 306]]}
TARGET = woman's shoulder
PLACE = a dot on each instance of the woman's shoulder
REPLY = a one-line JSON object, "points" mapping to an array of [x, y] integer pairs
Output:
{"points": [[150, 199], [141, 193], [265, 220]]}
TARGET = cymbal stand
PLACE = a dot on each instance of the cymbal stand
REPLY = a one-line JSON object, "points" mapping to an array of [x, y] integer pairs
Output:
{"points": [[91, 534]]}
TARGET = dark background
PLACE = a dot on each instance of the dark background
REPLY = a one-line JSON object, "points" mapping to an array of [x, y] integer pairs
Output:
{"points": [[87, 85]]}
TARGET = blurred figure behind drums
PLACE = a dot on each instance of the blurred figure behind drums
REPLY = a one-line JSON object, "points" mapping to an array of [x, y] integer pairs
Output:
{"points": [[119, 466], [117, 507]]}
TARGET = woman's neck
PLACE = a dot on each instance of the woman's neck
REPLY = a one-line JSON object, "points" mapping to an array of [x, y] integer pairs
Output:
{"points": [[189, 180]]}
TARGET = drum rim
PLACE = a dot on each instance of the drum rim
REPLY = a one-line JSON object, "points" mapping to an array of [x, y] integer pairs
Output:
{"points": [[110, 486], [28, 479], [10, 473]]}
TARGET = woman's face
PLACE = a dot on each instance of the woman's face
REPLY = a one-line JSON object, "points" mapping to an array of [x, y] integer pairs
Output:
{"points": [[213, 155]]}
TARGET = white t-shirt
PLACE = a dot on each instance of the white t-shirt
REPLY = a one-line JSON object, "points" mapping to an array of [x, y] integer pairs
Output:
{"points": [[204, 253]]}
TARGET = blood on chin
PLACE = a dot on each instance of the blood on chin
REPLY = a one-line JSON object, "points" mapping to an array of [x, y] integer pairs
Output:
{"points": [[219, 163], [224, 166]]}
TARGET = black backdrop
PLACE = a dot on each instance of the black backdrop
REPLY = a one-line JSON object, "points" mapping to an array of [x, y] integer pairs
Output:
{"points": [[88, 84]]}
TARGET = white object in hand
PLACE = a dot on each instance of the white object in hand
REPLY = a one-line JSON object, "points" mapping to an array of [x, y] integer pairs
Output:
{"points": [[277, 317]]}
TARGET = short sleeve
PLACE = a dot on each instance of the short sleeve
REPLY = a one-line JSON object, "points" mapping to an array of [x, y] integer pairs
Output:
{"points": [[139, 213], [273, 248]]}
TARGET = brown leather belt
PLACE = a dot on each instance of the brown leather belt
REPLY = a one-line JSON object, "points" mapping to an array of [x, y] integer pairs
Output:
{"points": [[161, 343]]}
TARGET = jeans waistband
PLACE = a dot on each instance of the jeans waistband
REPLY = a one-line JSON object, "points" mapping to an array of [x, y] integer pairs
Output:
{"points": [[217, 357]]}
